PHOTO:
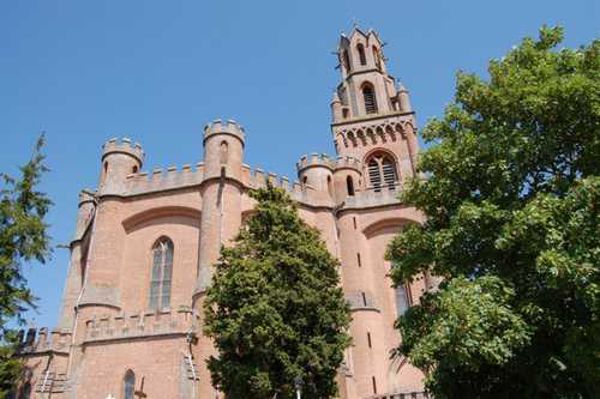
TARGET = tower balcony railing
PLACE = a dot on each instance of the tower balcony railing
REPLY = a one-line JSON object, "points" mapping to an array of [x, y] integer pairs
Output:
{"points": [[404, 395], [375, 196]]}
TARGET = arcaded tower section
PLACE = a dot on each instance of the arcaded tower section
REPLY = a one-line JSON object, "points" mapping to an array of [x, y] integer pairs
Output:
{"points": [[146, 243]]}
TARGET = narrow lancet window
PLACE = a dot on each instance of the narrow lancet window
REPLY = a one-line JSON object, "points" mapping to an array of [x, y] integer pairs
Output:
{"points": [[162, 270], [350, 186], [129, 385]]}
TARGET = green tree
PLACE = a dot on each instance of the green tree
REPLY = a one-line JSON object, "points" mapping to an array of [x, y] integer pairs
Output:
{"points": [[23, 238], [275, 309], [511, 194]]}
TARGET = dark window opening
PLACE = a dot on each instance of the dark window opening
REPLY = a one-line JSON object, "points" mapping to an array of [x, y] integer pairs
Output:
{"points": [[369, 339], [350, 185], [370, 99], [345, 113], [374, 385], [354, 221], [364, 298], [358, 260], [134, 169], [361, 54]]}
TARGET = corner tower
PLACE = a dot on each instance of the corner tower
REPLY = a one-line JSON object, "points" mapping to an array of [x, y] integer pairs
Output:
{"points": [[372, 119]]}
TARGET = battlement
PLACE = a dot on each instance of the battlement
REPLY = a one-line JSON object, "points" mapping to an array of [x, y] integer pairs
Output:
{"points": [[348, 163], [38, 340], [123, 146], [315, 160], [160, 179], [257, 178], [229, 127], [143, 324]]}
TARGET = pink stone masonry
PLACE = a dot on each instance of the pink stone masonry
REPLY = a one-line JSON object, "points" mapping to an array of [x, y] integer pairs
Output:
{"points": [[145, 243]]}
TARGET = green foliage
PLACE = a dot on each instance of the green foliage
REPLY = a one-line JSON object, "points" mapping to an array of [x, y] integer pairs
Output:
{"points": [[275, 310], [512, 226], [23, 237]]}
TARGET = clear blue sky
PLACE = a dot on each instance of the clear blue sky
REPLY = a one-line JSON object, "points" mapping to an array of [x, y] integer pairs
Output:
{"points": [[157, 71]]}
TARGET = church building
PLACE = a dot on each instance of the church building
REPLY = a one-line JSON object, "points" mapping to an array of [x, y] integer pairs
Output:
{"points": [[145, 242]]}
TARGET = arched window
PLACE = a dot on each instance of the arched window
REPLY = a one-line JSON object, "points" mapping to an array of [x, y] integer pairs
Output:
{"points": [[377, 57], [329, 186], [350, 185], [224, 152], [129, 385], [162, 269], [402, 300], [370, 99], [346, 61], [361, 54], [382, 171], [134, 169]]}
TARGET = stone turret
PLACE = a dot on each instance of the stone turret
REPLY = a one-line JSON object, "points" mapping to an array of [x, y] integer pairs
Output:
{"points": [[347, 177], [223, 149], [316, 170], [119, 159]]}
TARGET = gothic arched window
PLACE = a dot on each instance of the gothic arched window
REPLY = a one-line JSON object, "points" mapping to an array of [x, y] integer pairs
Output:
{"points": [[361, 54], [129, 385], [162, 269], [382, 171], [369, 97]]}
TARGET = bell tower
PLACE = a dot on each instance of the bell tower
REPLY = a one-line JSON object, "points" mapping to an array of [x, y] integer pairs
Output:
{"points": [[372, 119]]}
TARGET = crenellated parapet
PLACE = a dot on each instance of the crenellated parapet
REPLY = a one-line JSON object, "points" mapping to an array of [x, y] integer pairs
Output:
{"points": [[315, 160], [40, 341], [160, 179], [229, 127], [140, 325], [348, 163], [123, 146]]}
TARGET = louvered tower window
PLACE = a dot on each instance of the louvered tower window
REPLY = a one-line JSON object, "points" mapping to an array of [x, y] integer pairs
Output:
{"points": [[382, 171], [162, 270], [370, 99]]}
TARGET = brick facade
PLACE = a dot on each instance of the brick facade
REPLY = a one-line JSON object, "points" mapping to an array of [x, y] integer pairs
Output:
{"points": [[107, 325]]}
